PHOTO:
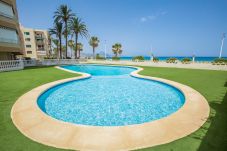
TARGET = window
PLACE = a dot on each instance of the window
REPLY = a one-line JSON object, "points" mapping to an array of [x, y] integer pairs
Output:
{"points": [[28, 46], [8, 35], [26, 33], [6, 10], [40, 46], [29, 52], [27, 39]]}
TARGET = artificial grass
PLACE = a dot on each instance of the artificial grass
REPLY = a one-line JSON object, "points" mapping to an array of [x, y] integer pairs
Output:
{"points": [[212, 136], [212, 84], [13, 85]]}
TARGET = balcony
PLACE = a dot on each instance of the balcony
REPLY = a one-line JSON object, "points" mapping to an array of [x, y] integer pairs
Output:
{"points": [[12, 41], [6, 10], [39, 42], [41, 52], [8, 35]]}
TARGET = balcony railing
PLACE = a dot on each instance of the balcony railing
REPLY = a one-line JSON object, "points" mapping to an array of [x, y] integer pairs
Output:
{"points": [[5, 40], [7, 15]]}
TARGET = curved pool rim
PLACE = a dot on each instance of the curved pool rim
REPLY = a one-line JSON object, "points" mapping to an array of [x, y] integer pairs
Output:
{"points": [[89, 76], [38, 126]]}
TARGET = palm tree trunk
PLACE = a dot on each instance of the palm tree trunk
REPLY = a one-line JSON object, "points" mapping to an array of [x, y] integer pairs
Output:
{"points": [[93, 52], [57, 52], [66, 39], [76, 45], [79, 54], [60, 48]]}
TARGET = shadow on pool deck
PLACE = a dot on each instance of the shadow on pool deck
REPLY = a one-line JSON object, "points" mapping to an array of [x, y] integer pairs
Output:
{"points": [[215, 138]]}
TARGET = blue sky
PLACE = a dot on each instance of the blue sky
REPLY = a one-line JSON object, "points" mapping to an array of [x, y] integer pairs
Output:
{"points": [[172, 27]]}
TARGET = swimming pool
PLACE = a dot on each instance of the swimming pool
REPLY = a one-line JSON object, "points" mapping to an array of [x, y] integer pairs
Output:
{"points": [[111, 97]]}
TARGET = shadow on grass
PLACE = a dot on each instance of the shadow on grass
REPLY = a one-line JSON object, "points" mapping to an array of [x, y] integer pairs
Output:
{"points": [[215, 138], [37, 67]]}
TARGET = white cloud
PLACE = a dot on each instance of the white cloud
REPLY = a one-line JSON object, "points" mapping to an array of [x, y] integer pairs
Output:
{"points": [[153, 16], [143, 19]]}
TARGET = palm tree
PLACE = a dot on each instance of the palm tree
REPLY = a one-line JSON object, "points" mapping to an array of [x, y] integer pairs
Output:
{"points": [[71, 45], [116, 48], [64, 15], [94, 42], [57, 31], [79, 48], [56, 43], [79, 29]]}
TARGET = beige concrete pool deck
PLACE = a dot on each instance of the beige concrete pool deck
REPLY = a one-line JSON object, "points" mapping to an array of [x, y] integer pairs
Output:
{"points": [[38, 126]]}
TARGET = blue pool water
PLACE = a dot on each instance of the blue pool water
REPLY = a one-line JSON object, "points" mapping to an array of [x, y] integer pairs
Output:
{"points": [[111, 97], [101, 70]]}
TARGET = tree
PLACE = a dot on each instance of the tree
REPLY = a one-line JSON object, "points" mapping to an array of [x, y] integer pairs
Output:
{"points": [[79, 29], [57, 31], [56, 43], [71, 45], [79, 48], [94, 42], [116, 48], [64, 15]]}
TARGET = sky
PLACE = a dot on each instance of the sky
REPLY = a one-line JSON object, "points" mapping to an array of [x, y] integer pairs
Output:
{"points": [[165, 27]]}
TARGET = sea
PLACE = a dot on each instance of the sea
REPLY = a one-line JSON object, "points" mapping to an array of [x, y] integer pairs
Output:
{"points": [[161, 58]]}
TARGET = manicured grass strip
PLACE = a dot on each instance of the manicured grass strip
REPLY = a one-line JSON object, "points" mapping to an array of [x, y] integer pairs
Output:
{"points": [[212, 84], [212, 136], [13, 85]]}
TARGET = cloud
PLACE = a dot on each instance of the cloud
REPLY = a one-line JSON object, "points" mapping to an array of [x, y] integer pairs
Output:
{"points": [[143, 19], [153, 16]]}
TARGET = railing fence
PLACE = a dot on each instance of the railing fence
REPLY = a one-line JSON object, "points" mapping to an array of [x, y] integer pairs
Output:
{"points": [[10, 65]]}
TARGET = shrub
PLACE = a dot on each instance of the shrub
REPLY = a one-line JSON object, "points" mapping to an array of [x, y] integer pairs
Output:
{"points": [[115, 58], [220, 60], [99, 57], [171, 60], [50, 57], [27, 58], [155, 59], [138, 58], [186, 60]]}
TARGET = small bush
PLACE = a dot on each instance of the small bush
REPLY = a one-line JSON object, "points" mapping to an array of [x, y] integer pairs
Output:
{"points": [[115, 58], [171, 60], [50, 57], [138, 58], [186, 60], [27, 58], [220, 60], [155, 59], [99, 57]]}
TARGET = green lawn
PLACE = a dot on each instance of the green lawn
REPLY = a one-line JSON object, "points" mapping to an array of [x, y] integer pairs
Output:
{"points": [[212, 84]]}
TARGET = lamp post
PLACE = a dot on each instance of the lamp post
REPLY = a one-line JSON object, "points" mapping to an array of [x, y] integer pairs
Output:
{"points": [[152, 56], [222, 43], [193, 58]]}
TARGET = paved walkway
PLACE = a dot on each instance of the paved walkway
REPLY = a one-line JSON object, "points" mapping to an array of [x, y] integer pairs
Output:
{"points": [[207, 66]]}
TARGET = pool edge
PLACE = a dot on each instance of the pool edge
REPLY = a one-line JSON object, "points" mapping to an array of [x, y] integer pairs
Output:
{"points": [[28, 118]]}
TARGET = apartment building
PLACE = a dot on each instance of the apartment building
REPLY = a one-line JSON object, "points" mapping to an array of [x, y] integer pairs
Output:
{"points": [[37, 44], [11, 43]]}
